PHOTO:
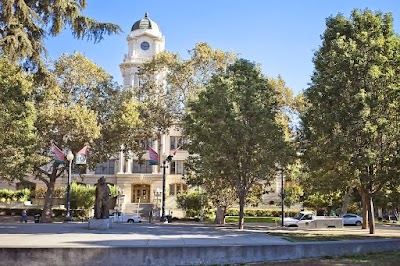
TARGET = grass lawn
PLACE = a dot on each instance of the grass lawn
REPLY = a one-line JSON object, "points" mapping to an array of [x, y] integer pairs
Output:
{"points": [[249, 219], [305, 237], [381, 258]]}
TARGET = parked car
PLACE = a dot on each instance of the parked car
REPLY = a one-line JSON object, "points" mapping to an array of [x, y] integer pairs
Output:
{"points": [[307, 219], [390, 217], [120, 217], [352, 219]]}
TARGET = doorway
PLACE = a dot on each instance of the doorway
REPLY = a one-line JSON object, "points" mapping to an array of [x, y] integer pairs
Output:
{"points": [[141, 193]]}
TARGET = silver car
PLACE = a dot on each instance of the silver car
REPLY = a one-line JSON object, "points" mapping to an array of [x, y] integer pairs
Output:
{"points": [[352, 219]]}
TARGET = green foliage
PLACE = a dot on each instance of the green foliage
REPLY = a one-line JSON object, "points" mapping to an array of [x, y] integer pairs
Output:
{"points": [[6, 193], [235, 139], [59, 192], [191, 203], [78, 110], [20, 195], [113, 190], [293, 192], [82, 196], [17, 118], [260, 213], [350, 122], [26, 25]]}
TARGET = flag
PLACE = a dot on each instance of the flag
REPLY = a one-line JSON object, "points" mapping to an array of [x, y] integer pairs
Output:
{"points": [[58, 154], [81, 156], [176, 150], [153, 156]]}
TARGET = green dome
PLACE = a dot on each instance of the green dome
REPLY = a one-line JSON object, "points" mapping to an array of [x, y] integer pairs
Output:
{"points": [[144, 23]]}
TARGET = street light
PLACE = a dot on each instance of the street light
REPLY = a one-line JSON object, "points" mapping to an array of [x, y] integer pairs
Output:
{"points": [[157, 193], [163, 218], [141, 177], [70, 158], [164, 165], [282, 196]]}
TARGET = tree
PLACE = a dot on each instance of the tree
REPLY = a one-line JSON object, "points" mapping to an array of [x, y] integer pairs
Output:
{"points": [[84, 108], [168, 82], [25, 24], [17, 119], [233, 130], [350, 127]]}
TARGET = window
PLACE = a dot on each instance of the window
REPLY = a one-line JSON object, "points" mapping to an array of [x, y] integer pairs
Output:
{"points": [[144, 168], [175, 142], [172, 189], [106, 168], [177, 167], [175, 189]]}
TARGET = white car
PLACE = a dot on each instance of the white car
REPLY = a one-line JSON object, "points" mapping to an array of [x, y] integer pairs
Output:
{"points": [[120, 217], [352, 219]]}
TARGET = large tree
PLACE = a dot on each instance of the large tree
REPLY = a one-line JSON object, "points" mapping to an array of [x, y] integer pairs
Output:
{"points": [[17, 118], [25, 24], [233, 132], [85, 108], [351, 122], [168, 82]]}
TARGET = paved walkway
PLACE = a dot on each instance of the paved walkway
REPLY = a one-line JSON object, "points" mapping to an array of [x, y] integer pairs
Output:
{"points": [[129, 235], [77, 234], [171, 244]]}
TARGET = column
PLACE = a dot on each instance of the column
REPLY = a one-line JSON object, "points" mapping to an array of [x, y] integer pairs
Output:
{"points": [[154, 168], [121, 160], [128, 169]]}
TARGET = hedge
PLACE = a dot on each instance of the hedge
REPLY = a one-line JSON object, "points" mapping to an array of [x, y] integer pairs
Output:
{"points": [[260, 213], [78, 214]]}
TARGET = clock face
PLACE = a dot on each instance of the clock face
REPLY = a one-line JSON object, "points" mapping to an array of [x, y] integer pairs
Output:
{"points": [[145, 45]]}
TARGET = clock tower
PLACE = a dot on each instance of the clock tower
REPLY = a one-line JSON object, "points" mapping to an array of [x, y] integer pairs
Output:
{"points": [[144, 41]]}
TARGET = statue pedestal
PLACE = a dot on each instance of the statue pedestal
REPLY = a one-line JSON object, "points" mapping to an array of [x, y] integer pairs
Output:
{"points": [[100, 224]]}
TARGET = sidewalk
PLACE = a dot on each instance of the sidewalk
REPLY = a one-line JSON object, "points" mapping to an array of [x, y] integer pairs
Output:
{"points": [[171, 244], [128, 235]]}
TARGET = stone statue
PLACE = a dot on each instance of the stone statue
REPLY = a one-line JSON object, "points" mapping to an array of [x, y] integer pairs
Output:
{"points": [[102, 199]]}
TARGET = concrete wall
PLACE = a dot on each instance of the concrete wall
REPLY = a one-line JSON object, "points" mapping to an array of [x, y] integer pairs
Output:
{"points": [[196, 255]]}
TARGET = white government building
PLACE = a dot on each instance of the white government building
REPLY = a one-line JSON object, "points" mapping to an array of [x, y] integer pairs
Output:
{"points": [[141, 185]]}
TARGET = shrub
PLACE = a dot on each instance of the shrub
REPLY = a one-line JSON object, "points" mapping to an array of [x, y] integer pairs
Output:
{"points": [[6, 193], [113, 190], [82, 196], [18, 195]]}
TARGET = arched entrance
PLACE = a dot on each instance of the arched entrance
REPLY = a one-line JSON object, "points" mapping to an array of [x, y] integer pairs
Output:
{"points": [[141, 193]]}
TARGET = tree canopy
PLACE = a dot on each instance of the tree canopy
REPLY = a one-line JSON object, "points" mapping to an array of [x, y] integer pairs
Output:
{"points": [[233, 131], [25, 24], [350, 125], [17, 122]]}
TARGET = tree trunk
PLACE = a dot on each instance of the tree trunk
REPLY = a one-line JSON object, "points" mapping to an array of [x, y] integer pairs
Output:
{"points": [[241, 209], [371, 218], [220, 215], [346, 201], [364, 202], [48, 201]]}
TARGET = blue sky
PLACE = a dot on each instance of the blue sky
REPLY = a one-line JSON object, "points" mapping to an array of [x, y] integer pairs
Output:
{"points": [[280, 35]]}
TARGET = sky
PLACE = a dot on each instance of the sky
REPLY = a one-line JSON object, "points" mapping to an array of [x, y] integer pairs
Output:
{"points": [[282, 35]]}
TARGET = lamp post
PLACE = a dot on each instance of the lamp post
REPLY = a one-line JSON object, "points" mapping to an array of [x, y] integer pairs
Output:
{"points": [[70, 157], [164, 165], [157, 194], [282, 197], [140, 194], [201, 205]]}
